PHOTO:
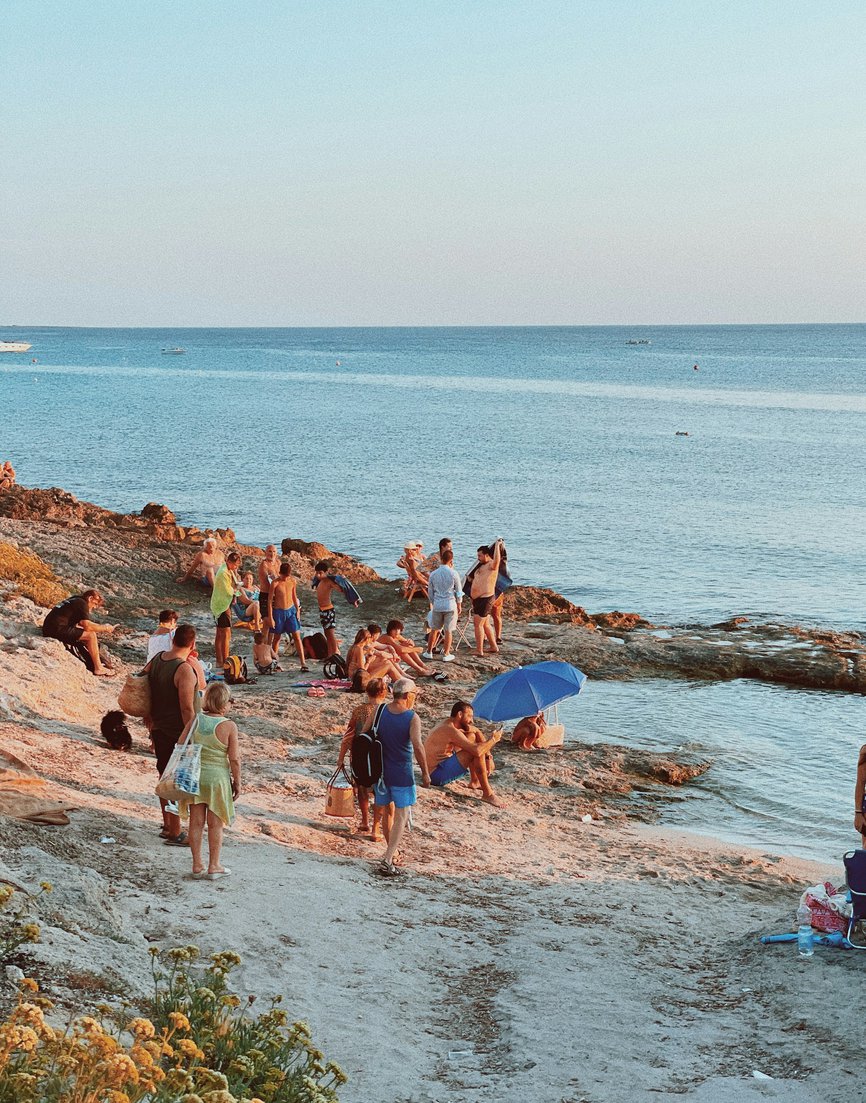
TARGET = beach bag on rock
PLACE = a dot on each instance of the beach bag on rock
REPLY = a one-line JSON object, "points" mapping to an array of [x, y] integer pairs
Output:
{"points": [[340, 799], [134, 697], [180, 779], [235, 671], [367, 754]]}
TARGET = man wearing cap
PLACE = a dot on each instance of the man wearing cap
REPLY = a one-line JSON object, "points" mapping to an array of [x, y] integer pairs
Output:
{"points": [[399, 732]]}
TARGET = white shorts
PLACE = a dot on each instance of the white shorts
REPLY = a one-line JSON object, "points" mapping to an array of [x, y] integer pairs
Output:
{"points": [[446, 620]]}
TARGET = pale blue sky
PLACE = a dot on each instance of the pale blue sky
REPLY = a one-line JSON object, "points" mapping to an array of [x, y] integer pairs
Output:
{"points": [[468, 162]]}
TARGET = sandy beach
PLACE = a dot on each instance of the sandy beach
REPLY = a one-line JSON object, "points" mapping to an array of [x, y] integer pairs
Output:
{"points": [[528, 955]]}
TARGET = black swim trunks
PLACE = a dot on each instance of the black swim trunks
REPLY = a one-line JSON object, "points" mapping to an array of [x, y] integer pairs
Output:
{"points": [[224, 620], [328, 618], [482, 606], [163, 745]]}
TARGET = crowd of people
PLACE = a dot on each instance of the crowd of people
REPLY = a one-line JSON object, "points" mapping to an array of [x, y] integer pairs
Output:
{"points": [[381, 665]]}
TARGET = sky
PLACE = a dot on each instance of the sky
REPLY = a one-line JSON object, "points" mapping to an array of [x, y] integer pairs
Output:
{"points": [[331, 162]]}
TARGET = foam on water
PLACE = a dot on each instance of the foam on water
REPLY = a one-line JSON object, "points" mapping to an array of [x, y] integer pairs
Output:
{"points": [[484, 385]]}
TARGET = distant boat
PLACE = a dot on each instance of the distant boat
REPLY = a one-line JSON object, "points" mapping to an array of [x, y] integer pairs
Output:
{"points": [[642, 341], [14, 346], [168, 352]]}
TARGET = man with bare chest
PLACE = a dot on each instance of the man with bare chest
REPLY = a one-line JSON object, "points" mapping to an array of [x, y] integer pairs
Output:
{"points": [[483, 594], [325, 586]]}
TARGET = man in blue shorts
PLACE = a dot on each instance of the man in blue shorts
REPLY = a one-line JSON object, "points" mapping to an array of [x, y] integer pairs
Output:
{"points": [[456, 748], [399, 731], [286, 612]]}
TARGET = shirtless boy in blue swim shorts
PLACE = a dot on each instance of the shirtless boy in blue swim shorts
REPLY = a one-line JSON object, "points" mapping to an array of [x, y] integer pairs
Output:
{"points": [[286, 612]]}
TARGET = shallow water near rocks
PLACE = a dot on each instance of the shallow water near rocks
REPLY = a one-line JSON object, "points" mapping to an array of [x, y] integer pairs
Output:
{"points": [[783, 760]]}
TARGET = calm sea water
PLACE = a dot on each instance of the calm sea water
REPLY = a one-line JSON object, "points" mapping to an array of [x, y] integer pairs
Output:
{"points": [[563, 440]]}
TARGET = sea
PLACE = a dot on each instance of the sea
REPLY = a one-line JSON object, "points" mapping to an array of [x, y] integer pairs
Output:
{"points": [[688, 473]]}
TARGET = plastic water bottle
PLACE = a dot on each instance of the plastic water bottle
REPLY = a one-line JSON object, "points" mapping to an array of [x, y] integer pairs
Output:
{"points": [[805, 944]]}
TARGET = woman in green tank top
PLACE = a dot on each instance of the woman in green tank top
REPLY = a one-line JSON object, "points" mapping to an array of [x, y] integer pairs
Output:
{"points": [[220, 781]]}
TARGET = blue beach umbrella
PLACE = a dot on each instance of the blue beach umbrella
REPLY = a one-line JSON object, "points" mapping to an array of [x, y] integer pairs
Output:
{"points": [[527, 690]]}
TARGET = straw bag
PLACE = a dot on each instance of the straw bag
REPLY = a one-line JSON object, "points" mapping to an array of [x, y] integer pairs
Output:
{"points": [[180, 779], [340, 800], [134, 698]]}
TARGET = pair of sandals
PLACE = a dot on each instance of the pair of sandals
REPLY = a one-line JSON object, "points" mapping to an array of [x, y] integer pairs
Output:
{"points": [[388, 869], [316, 691], [440, 676]]}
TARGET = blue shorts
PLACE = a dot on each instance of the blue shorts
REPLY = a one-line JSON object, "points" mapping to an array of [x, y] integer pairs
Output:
{"points": [[401, 796], [449, 769], [285, 620], [241, 612]]}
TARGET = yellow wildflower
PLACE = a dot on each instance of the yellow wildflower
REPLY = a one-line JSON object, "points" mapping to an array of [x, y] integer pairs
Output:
{"points": [[188, 1048], [142, 1028], [28, 984], [141, 1057], [46, 886], [179, 1021]]}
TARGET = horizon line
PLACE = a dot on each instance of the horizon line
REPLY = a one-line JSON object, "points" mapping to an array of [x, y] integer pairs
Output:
{"points": [[480, 325]]}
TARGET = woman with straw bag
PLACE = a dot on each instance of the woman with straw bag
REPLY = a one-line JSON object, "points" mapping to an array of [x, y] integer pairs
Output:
{"points": [[219, 783]]}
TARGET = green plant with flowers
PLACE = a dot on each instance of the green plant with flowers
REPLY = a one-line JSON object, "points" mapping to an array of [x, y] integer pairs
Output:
{"points": [[17, 926], [200, 1044]]}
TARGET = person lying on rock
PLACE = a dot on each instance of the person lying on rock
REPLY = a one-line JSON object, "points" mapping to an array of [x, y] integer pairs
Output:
{"points": [[528, 732], [70, 623], [205, 565], [453, 751]]}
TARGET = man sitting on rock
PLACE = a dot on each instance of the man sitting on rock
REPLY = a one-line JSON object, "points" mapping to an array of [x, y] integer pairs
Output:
{"points": [[453, 750], [7, 476], [69, 622], [205, 565]]}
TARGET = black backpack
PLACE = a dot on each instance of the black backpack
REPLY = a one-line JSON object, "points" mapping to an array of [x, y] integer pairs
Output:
{"points": [[334, 667], [367, 754]]}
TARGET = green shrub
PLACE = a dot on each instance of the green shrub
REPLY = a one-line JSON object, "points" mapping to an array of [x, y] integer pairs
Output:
{"points": [[201, 1044]]}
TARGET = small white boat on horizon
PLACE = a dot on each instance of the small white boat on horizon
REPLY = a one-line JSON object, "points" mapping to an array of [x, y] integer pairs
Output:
{"points": [[14, 346], [173, 352]]}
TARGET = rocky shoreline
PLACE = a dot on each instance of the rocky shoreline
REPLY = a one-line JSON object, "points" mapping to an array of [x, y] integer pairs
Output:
{"points": [[611, 645]]}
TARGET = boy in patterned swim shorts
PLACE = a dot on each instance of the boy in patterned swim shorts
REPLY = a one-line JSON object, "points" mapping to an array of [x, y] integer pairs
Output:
{"points": [[325, 586]]}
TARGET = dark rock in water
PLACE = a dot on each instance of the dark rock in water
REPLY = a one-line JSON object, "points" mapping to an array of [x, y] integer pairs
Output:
{"points": [[158, 514], [731, 624], [621, 622]]}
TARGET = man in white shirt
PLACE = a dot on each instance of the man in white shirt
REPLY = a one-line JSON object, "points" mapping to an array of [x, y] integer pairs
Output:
{"points": [[445, 592]]}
